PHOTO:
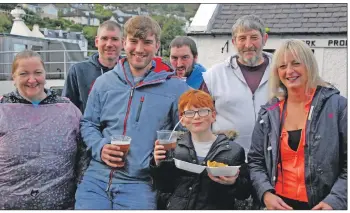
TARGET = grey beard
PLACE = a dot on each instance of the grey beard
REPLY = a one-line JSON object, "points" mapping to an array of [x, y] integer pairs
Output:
{"points": [[253, 62]]}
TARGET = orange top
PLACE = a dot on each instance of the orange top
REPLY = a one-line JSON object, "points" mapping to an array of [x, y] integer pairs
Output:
{"points": [[291, 184]]}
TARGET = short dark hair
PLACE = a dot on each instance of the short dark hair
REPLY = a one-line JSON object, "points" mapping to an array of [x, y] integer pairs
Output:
{"points": [[110, 25], [180, 41]]}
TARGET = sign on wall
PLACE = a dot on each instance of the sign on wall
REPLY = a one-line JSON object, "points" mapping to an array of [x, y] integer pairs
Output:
{"points": [[326, 42]]}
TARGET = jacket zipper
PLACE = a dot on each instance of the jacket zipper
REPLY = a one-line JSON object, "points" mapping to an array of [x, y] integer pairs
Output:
{"points": [[139, 109], [253, 98], [309, 149], [128, 110], [124, 132]]}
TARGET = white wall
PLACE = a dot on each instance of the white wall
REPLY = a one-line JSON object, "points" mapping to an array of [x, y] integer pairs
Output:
{"points": [[335, 68], [332, 62], [50, 10], [78, 20]]}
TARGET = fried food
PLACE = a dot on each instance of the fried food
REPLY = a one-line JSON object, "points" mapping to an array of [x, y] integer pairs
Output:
{"points": [[215, 164]]}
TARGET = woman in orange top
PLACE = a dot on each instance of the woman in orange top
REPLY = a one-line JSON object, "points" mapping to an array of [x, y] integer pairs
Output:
{"points": [[298, 158]]}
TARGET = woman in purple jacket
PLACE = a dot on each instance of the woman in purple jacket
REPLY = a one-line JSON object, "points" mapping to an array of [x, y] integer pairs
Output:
{"points": [[39, 134]]}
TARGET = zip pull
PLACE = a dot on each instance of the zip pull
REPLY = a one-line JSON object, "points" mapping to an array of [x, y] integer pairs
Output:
{"points": [[132, 92], [310, 113]]}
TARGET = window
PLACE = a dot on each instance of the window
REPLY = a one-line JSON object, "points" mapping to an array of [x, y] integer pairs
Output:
{"points": [[272, 50], [36, 48], [19, 47], [269, 50]]}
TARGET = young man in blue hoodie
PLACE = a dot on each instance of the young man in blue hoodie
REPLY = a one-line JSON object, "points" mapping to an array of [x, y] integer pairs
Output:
{"points": [[82, 76], [135, 101], [183, 58]]}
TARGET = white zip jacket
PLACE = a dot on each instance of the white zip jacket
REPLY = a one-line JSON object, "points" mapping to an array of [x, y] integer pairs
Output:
{"points": [[237, 108]]}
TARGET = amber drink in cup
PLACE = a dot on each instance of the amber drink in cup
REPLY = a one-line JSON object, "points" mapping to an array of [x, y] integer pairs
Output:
{"points": [[124, 143], [168, 139]]}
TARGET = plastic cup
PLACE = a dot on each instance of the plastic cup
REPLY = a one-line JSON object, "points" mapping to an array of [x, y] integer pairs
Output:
{"points": [[124, 144], [169, 144]]}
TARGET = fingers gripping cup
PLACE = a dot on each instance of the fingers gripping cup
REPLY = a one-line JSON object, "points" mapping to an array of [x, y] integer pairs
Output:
{"points": [[168, 139], [124, 143]]}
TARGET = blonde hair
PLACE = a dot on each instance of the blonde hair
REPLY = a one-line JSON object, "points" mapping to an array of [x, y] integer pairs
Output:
{"points": [[303, 54]]}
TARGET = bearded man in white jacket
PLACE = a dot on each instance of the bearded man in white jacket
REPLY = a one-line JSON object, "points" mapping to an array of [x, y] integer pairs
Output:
{"points": [[239, 84]]}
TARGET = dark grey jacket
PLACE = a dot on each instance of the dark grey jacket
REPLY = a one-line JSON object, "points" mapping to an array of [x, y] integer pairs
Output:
{"points": [[325, 149], [81, 77], [179, 189]]}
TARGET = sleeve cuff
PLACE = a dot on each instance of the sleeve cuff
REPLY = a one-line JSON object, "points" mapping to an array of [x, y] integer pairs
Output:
{"points": [[96, 151]]}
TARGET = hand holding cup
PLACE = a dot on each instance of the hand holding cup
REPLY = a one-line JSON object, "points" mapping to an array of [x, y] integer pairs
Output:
{"points": [[159, 152], [114, 154]]}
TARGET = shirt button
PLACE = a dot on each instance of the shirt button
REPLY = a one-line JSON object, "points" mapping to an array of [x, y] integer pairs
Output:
{"points": [[190, 188]]}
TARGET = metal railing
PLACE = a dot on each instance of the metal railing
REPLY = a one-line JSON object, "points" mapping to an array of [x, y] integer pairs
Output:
{"points": [[54, 60]]}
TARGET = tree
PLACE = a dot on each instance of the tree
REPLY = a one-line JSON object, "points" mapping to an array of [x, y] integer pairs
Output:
{"points": [[99, 11], [171, 27], [7, 6], [90, 32], [76, 27], [5, 23]]}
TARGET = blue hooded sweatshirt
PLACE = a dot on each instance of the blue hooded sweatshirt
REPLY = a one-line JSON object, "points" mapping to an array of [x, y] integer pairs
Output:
{"points": [[81, 77], [196, 78], [117, 105]]}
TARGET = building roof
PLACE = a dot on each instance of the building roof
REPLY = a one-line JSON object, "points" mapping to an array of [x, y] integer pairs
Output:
{"points": [[285, 18], [82, 6], [125, 13], [65, 34], [62, 6], [38, 4], [120, 19], [79, 13]]}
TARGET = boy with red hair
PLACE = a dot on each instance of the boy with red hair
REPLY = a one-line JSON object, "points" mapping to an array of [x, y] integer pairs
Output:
{"points": [[180, 189]]}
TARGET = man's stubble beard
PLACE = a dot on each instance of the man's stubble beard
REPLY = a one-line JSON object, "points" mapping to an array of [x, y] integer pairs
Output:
{"points": [[189, 72]]}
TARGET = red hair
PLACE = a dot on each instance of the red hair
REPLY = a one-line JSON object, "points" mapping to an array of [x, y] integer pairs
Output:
{"points": [[195, 98]]}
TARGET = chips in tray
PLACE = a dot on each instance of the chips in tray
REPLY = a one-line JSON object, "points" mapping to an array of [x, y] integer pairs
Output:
{"points": [[215, 164]]}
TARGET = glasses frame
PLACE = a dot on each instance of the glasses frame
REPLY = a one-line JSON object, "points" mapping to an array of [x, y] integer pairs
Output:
{"points": [[207, 111]]}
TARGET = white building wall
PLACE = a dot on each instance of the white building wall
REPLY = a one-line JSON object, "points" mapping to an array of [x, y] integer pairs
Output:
{"points": [[95, 22], [50, 11], [332, 62], [335, 68]]}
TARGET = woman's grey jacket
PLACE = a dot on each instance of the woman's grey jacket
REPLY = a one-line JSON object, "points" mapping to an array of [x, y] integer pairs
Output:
{"points": [[325, 149]]}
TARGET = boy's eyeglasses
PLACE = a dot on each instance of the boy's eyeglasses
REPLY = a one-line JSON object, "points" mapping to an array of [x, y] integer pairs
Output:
{"points": [[192, 113]]}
